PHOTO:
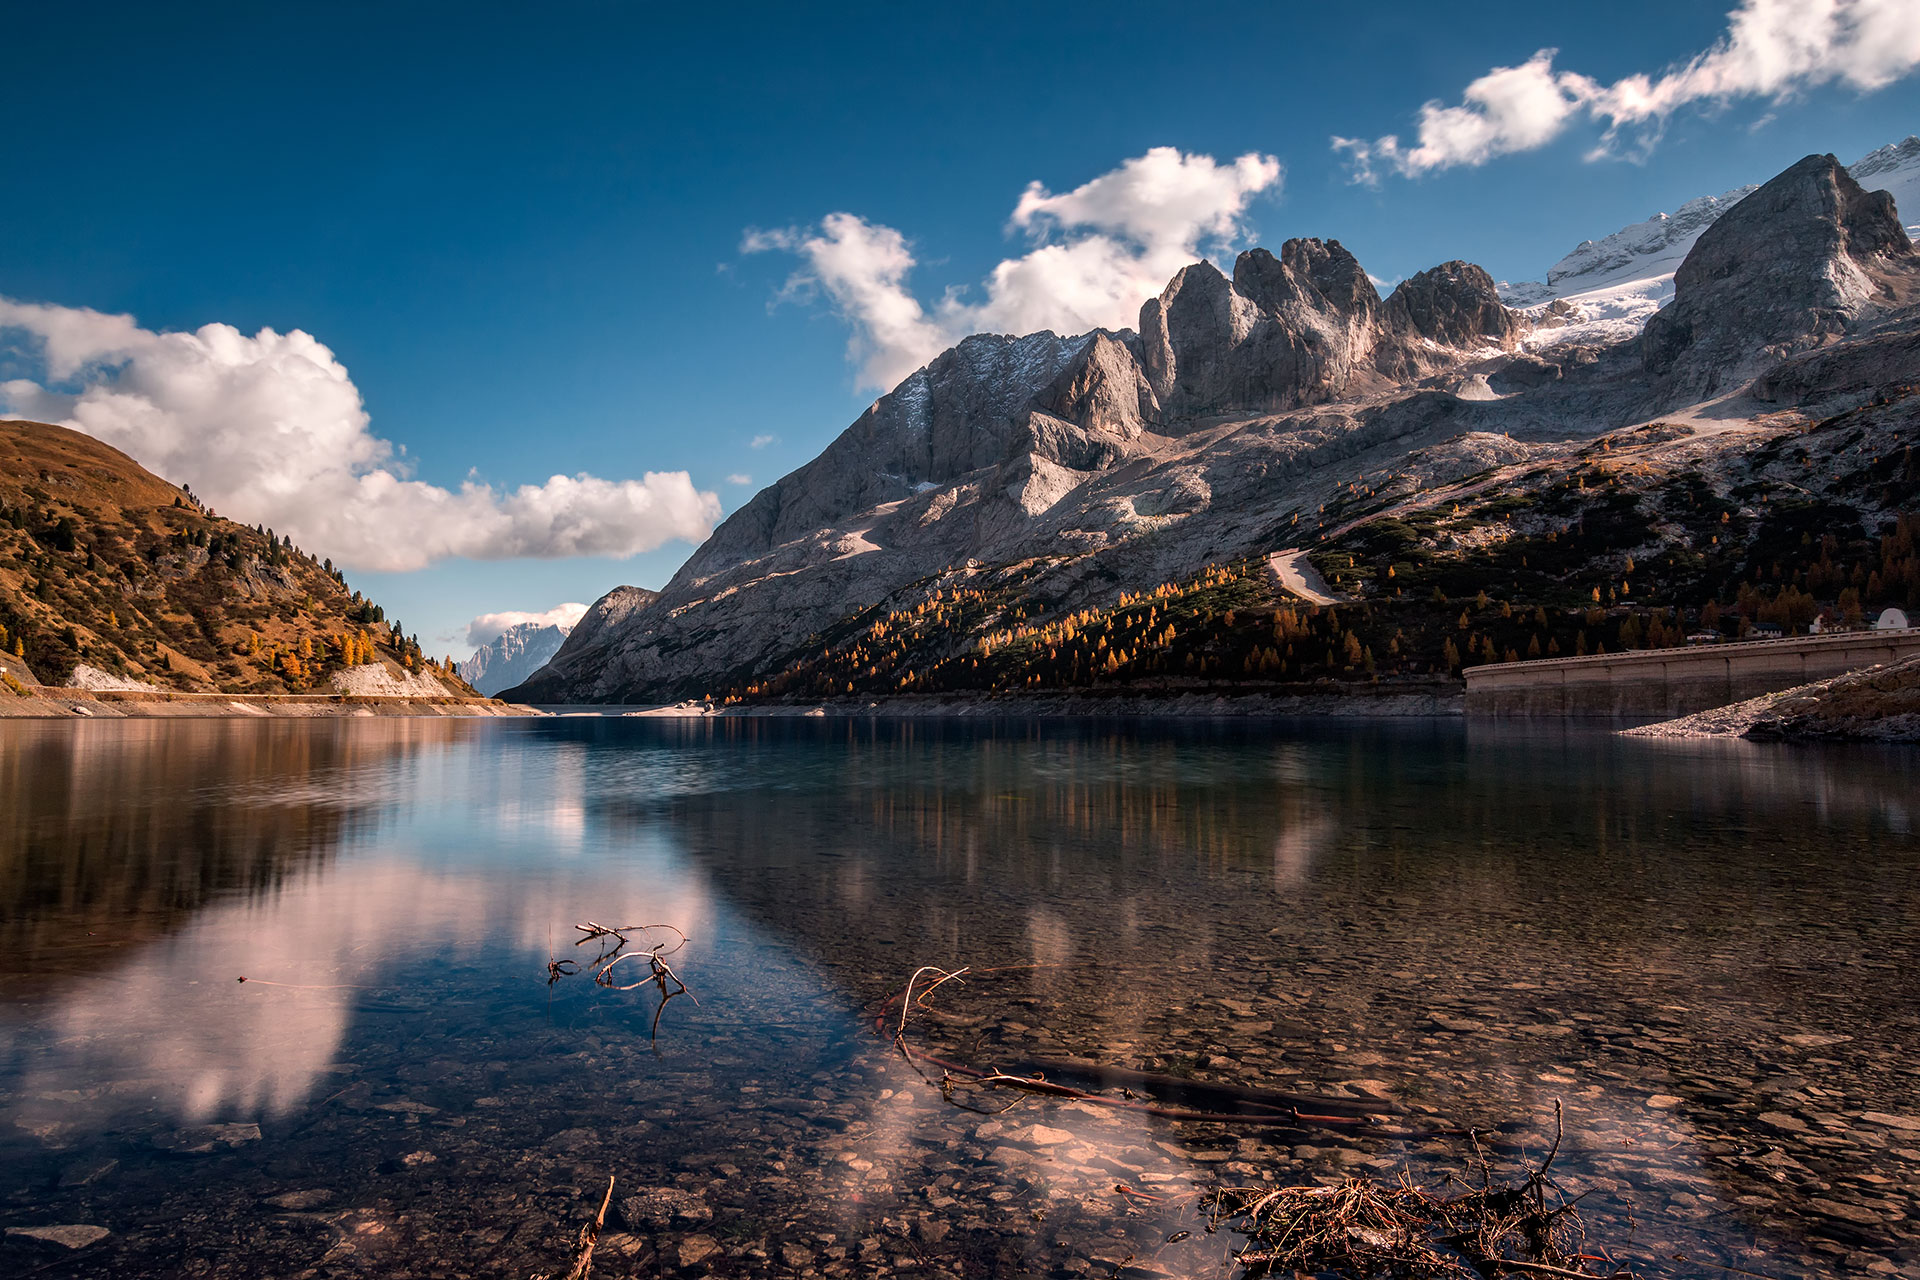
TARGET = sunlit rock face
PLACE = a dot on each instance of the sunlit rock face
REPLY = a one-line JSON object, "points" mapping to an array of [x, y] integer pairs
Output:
{"points": [[1799, 263]]}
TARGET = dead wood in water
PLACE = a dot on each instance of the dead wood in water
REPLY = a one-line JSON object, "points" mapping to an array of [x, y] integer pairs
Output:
{"points": [[614, 940], [1363, 1228], [1216, 1102], [590, 1236]]}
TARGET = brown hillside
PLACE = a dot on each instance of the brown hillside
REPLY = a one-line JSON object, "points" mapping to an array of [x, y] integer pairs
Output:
{"points": [[103, 563]]}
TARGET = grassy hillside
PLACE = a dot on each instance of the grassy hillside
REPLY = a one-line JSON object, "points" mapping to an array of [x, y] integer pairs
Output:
{"points": [[105, 566]]}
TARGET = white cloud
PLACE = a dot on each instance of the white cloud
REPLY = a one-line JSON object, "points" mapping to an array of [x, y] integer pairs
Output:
{"points": [[488, 627], [1772, 49], [739, 477], [1102, 249], [761, 442], [269, 429]]}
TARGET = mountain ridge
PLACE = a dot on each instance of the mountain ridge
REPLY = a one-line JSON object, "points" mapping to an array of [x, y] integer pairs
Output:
{"points": [[1270, 410]]}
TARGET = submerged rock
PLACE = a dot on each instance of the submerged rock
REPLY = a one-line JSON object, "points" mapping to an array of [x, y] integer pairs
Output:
{"points": [[203, 1139], [71, 1235], [659, 1207]]}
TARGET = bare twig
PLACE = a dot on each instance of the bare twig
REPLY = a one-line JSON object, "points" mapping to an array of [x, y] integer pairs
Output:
{"points": [[590, 1236]]}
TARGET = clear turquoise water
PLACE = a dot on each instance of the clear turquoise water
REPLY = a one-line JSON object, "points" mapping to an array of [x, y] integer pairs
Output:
{"points": [[1705, 952]]}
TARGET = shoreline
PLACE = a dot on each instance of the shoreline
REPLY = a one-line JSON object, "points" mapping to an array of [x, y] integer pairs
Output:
{"points": [[1423, 701], [41, 702], [1880, 703]]}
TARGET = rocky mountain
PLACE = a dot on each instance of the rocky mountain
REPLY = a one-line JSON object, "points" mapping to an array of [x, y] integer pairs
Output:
{"points": [[512, 656], [111, 578], [1017, 497], [1605, 290], [1801, 262]]}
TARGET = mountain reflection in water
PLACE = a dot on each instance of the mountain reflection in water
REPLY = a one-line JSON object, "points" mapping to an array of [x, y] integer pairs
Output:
{"points": [[1702, 950]]}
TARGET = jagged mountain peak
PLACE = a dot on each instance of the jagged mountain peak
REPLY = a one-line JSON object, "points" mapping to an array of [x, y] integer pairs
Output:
{"points": [[1103, 389], [1796, 264], [1319, 275], [1605, 290], [562, 650]]}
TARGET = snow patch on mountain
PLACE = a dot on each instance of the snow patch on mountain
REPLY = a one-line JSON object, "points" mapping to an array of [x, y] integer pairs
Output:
{"points": [[1605, 290]]}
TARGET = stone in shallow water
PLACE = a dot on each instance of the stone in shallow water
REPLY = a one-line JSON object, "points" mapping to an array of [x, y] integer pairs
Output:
{"points": [[1042, 1136], [1811, 1040], [84, 1172], [74, 1235], [200, 1139], [1462, 1026], [1854, 1213], [664, 1207], [695, 1250], [297, 1200]]}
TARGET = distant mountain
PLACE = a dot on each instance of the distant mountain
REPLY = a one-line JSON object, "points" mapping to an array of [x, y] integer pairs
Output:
{"points": [[1605, 290], [1174, 510], [516, 653], [112, 578], [534, 681]]}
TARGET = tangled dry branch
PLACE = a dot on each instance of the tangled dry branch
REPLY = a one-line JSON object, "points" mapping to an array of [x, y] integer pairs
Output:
{"points": [[613, 942], [1363, 1228]]}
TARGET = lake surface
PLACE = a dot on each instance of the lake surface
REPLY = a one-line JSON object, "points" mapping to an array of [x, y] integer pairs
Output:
{"points": [[1704, 952]]}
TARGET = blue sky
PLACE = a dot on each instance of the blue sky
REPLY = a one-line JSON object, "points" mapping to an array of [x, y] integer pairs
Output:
{"points": [[520, 231]]}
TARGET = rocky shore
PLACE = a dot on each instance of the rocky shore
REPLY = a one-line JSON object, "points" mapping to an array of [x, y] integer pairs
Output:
{"points": [[1879, 704]]}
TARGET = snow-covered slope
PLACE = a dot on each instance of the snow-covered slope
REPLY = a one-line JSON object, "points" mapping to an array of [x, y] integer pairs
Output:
{"points": [[1894, 169], [1605, 289]]}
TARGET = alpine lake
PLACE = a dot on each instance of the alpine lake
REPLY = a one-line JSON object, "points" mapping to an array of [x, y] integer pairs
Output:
{"points": [[385, 997]]}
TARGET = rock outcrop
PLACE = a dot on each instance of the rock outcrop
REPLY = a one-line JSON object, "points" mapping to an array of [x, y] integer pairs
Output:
{"points": [[1454, 306], [1802, 261], [1308, 327]]}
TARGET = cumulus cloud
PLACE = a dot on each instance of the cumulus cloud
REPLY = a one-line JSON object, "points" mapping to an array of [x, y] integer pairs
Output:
{"points": [[489, 627], [269, 429], [1099, 251], [739, 477], [1772, 49], [761, 442]]}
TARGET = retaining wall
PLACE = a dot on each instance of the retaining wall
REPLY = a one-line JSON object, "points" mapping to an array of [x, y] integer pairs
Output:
{"points": [[1675, 682]]}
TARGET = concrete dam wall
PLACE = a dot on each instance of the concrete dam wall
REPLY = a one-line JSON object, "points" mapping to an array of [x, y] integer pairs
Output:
{"points": [[1675, 682]]}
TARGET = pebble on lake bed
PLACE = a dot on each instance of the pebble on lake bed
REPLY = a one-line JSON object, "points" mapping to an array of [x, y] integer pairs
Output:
{"points": [[202, 1139], [659, 1207], [72, 1235]]}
